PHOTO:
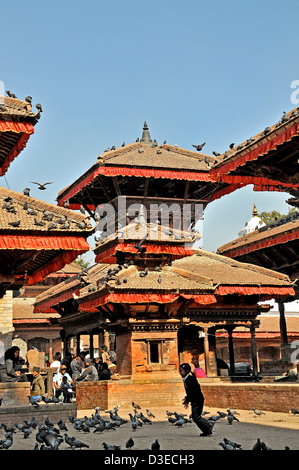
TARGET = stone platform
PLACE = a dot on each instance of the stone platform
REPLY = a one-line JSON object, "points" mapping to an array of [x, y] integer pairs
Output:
{"points": [[149, 393], [17, 414]]}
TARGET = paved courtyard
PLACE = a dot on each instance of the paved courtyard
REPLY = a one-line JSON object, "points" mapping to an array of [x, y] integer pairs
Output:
{"points": [[277, 430]]}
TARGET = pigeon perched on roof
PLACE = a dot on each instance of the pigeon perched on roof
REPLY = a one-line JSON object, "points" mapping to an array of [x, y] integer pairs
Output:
{"points": [[26, 191]]}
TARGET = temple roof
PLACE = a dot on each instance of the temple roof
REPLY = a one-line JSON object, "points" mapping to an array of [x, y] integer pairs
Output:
{"points": [[17, 121], [204, 276], [32, 245], [14, 109], [156, 239], [35, 215], [275, 246], [142, 159], [270, 154]]}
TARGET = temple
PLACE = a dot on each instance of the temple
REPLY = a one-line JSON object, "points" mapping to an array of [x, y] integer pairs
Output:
{"points": [[162, 299]]}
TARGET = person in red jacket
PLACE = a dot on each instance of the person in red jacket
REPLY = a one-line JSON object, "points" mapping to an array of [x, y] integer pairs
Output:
{"points": [[195, 397]]}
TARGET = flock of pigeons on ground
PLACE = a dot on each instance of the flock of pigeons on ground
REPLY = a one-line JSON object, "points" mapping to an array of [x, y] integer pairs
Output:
{"points": [[50, 435]]}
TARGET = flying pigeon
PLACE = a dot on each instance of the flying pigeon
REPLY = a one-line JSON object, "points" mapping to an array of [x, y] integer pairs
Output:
{"points": [[199, 147], [42, 187]]}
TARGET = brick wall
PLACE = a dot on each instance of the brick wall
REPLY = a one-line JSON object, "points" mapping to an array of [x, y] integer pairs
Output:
{"points": [[18, 414], [6, 325], [170, 392]]}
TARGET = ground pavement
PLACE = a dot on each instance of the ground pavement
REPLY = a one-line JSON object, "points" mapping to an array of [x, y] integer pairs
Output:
{"points": [[277, 430]]}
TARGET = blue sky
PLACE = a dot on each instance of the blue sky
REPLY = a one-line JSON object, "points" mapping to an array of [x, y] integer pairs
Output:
{"points": [[215, 72]]}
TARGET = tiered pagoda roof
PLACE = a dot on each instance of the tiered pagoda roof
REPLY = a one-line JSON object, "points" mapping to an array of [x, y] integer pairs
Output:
{"points": [[136, 170]]}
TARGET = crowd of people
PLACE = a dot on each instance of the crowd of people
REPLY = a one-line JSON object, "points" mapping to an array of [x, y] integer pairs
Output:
{"points": [[70, 370]]}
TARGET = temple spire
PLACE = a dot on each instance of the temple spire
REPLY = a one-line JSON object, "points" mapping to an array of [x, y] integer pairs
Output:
{"points": [[254, 212], [146, 138]]}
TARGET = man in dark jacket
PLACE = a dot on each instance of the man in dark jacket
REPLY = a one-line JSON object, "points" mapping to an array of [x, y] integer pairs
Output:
{"points": [[195, 397]]}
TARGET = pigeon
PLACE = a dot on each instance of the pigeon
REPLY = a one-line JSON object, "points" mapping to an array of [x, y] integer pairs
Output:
{"points": [[52, 225], [26, 191], [6, 444], [231, 443], [216, 154], [111, 446], [172, 420], [10, 94], [149, 414], [199, 147], [144, 419], [258, 445], [46, 399], [155, 445], [39, 107], [258, 412], [294, 411], [31, 423], [21, 427], [48, 422], [78, 444], [28, 99], [54, 399], [141, 249], [221, 414], [42, 187], [214, 418], [39, 222], [232, 146], [33, 401], [27, 432], [226, 446], [130, 443], [52, 441], [136, 406], [15, 223], [7, 428], [62, 426]]}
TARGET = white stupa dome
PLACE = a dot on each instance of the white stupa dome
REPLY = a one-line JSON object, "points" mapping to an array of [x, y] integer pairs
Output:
{"points": [[253, 224]]}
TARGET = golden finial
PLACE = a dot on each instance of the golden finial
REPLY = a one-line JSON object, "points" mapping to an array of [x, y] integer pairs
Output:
{"points": [[254, 212]]}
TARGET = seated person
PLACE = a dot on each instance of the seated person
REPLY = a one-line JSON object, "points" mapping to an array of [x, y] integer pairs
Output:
{"points": [[57, 380], [198, 371], [67, 389], [90, 372], [9, 370], [38, 384], [291, 374], [105, 372]]}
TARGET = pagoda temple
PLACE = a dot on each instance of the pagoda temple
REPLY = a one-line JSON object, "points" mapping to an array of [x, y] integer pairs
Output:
{"points": [[162, 298], [36, 238]]}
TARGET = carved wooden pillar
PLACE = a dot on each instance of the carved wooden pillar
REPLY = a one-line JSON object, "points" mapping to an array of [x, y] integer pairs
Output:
{"points": [[78, 344], [206, 351], [231, 350], [91, 346], [253, 351]]}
